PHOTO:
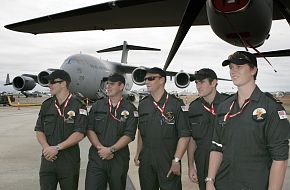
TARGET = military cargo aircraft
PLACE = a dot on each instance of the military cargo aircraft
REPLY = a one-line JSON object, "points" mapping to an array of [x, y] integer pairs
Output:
{"points": [[89, 74], [244, 23]]}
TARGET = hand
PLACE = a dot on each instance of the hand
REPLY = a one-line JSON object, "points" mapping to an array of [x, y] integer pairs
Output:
{"points": [[175, 168], [210, 185], [104, 153], [192, 175], [50, 153], [136, 160]]}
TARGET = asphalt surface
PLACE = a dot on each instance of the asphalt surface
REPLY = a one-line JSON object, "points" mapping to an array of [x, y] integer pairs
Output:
{"points": [[20, 154]]}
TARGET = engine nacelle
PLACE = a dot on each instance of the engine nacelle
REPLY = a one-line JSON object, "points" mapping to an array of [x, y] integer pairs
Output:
{"points": [[233, 19], [138, 75], [182, 79], [40, 77], [23, 83]]}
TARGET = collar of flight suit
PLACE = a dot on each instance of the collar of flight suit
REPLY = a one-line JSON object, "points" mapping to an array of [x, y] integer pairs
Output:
{"points": [[255, 96]]}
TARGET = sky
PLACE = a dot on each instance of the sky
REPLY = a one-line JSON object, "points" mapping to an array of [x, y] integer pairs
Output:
{"points": [[26, 53]]}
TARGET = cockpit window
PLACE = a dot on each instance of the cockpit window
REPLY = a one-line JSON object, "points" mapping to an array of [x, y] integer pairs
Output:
{"points": [[70, 61]]}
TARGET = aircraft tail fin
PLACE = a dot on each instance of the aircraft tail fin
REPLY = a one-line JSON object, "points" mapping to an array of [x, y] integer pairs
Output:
{"points": [[8, 82], [125, 48]]}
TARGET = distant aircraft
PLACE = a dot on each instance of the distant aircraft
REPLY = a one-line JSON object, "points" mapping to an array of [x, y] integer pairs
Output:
{"points": [[244, 23], [89, 74]]}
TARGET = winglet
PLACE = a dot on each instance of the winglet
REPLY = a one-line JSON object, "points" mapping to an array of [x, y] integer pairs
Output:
{"points": [[7, 80], [125, 48]]}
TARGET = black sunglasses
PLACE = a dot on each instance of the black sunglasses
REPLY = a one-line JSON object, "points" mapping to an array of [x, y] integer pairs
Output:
{"points": [[152, 78], [55, 81]]}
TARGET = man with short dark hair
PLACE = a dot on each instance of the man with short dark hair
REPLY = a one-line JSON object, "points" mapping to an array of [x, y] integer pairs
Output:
{"points": [[61, 124], [112, 126], [164, 135], [202, 112], [250, 142]]}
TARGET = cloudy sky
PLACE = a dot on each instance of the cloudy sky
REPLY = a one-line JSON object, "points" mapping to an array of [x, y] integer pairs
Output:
{"points": [[26, 53]]}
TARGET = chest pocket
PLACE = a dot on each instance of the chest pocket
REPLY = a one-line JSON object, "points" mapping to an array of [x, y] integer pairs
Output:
{"points": [[69, 126], [197, 125], [223, 128], [49, 123], [168, 127], [100, 122], [142, 123]]}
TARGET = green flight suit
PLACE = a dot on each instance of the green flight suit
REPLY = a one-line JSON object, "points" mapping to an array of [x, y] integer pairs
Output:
{"points": [[160, 139], [249, 138], [201, 122], [109, 131], [65, 169]]}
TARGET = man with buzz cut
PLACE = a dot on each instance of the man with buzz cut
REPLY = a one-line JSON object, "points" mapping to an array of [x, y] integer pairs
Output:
{"points": [[164, 135], [112, 126], [61, 124]]}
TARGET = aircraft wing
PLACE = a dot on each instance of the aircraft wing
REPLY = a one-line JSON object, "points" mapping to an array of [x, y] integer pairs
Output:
{"points": [[124, 68], [112, 15]]}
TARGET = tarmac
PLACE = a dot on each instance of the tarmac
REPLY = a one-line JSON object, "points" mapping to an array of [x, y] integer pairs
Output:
{"points": [[20, 154]]}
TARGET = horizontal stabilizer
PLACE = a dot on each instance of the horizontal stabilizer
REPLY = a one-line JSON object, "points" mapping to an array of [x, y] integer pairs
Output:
{"points": [[129, 47], [125, 48]]}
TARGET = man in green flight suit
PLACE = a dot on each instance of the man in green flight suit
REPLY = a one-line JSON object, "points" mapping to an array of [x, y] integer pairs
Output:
{"points": [[61, 124], [202, 112], [112, 126], [164, 128]]}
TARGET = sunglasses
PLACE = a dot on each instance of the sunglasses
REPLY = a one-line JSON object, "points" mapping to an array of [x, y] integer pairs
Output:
{"points": [[152, 78], [55, 81]]}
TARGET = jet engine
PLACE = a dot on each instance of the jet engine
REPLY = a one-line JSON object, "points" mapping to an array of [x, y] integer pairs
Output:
{"points": [[233, 20], [23, 83], [182, 79], [42, 81], [138, 75]]}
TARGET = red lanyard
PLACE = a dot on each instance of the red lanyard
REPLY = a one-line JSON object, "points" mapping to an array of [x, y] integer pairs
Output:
{"points": [[61, 114], [211, 109], [117, 107], [228, 115], [163, 107]]}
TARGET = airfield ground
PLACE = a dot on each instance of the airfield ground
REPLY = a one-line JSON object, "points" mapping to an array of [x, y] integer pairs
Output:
{"points": [[20, 152]]}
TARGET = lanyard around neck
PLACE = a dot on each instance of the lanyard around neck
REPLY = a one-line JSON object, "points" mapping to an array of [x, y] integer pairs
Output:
{"points": [[228, 115], [211, 109], [117, 107], [61, 113], [163, 107]]}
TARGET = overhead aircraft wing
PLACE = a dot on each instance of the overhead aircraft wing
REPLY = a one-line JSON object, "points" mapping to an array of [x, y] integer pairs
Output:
{"points": [[111, 15], [276, 53]]}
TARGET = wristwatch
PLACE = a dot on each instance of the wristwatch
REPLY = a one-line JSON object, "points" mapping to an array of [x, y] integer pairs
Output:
{"points": [[207, 179], [58, 147], [176, 159], [112, 150]]}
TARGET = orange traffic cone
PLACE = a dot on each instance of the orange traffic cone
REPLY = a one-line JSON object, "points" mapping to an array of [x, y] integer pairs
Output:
{"points": [[18, 104]]}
